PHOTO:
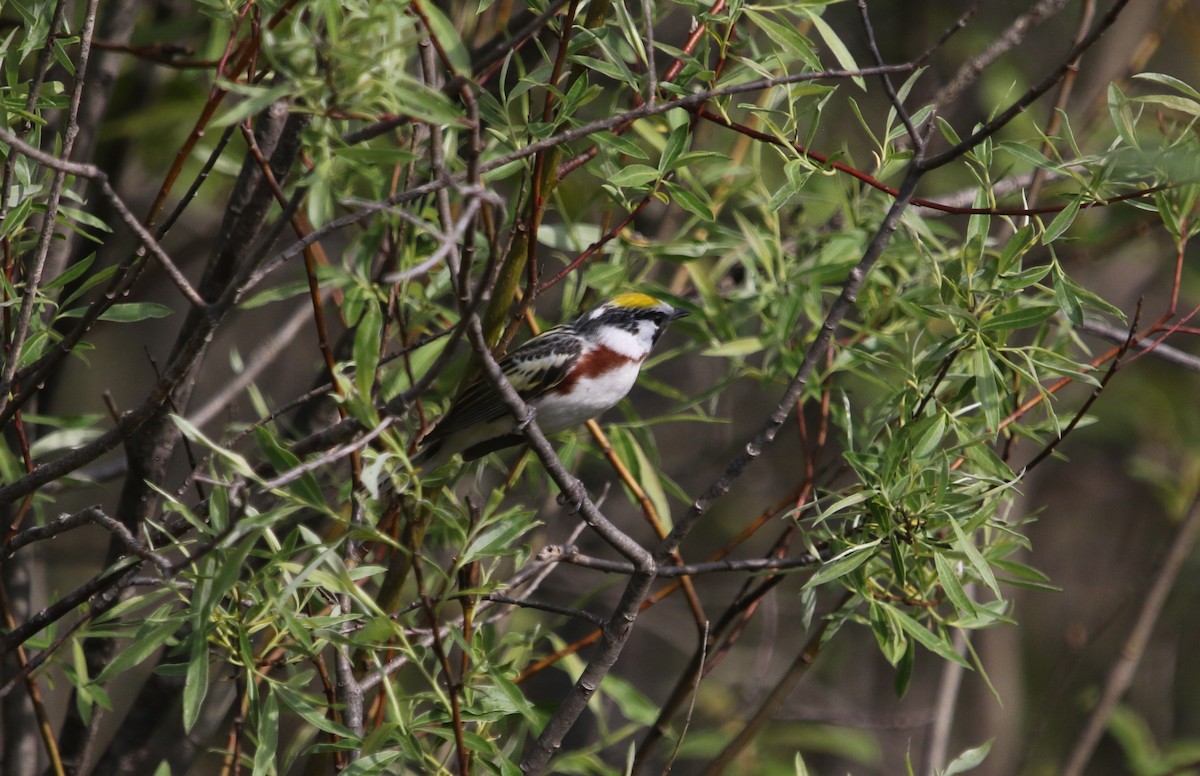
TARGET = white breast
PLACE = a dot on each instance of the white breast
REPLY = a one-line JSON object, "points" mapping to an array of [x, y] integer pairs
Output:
{"points": [[587, 398]]}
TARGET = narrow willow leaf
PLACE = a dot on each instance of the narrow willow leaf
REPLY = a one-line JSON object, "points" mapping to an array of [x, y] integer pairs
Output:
{"points": [[1023, 318], [651, 484], [935, 643], [987, 386], [968, 760], [1171, 102], [367, 338], [742, 346], [307, 709], [947, 572], [70, 273], [1061, 222], [195, 686], [634, 175], [929, 437], [267, 735], [843, 564], [977, 561], [1169, 81], [150, 636], [127, 313], [836, 47], [1068, 301]]}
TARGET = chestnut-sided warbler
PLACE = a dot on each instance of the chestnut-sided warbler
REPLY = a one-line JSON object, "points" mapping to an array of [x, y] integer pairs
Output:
{"points": [[568, 374]]}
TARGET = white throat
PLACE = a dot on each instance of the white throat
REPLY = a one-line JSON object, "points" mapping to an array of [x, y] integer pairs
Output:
{"points": [[629, 344]]}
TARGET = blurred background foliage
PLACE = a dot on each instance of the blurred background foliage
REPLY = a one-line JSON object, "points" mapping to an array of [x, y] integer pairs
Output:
{"points": [[252, 578]]}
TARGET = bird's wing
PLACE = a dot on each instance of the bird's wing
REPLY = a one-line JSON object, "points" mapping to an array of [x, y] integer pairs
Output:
{"points": [[533, 368]]}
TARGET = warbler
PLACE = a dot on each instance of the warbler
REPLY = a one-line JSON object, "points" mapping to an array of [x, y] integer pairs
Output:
{"points": [[568, 374]]}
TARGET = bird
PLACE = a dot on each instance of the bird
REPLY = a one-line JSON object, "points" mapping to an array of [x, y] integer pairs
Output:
{"points": [[568, 374]]}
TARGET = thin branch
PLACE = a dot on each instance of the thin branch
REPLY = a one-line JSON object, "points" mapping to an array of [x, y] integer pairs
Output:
{"points": [[946, 704], [566, 611], [94, 173], [590, 128], [779, 692], [913, 136], [1024, 101], [1165, 352], [616, 632], [93, 515], [1120, 674], [570, 554], [1012, 36], [1087, 405], [34, 268], [816, 351]]}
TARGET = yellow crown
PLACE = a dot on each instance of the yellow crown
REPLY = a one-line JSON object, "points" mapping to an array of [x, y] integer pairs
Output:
{"points": [[634, 299]]}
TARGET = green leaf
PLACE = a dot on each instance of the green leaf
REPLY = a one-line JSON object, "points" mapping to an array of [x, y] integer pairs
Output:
{"points": [[977, 561], [1068, 300], [267, 735], [374, 764], [1118, 109], [254, 100], [947, 572], [785, 36], [368, 335], [689, 201], [936, 644], [195, 686], [836, 47], [847, 501], [929, 436], [1171, 102], [1169, 81], [447, 37], [1019, 319], [237, 461], [634, 175], [904, 669], [987, 386], [93, 280], [150, 636], [70, 273], [620, 144], [677, 143], [1030, 156], [128, 312], [843, 563], [306, 708], [968, 760], [647, 477], [1022, 575], [1061, 222], [742, 346], [499, 538]]}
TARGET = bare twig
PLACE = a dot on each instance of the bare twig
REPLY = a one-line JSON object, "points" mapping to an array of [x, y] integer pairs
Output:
{"points": [[1002, 120], [100, 177], [34, 268], [571, 554], [913, 136], [1120, 674], [93, 515], [778, 694], [1016, 32], [816, 351], [1158, 350]]}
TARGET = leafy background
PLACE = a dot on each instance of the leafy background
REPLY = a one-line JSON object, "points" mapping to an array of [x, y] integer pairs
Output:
{"points": [[250, 577]]}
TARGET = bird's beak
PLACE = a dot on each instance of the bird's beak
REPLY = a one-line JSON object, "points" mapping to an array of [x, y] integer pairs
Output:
{"points": [[678, 313]]}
